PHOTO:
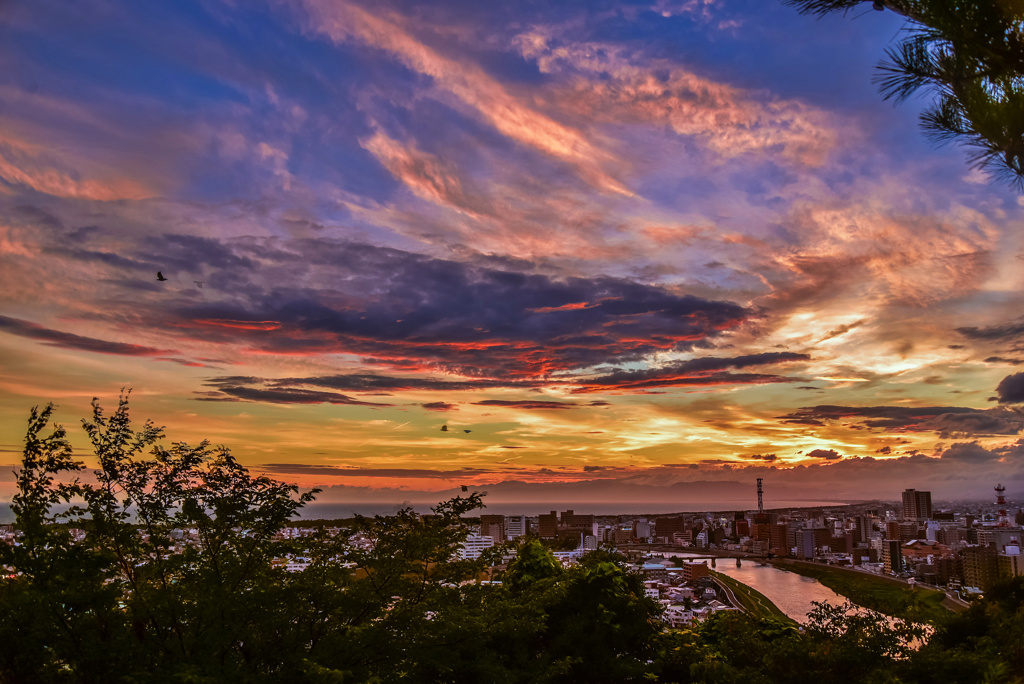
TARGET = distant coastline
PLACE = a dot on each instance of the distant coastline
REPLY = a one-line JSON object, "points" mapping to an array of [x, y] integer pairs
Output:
{"points": [[333, 511], [330, 511]]}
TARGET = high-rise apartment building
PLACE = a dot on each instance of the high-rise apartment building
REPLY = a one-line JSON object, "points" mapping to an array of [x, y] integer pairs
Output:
{"points": [[917, 505], [547, 525], [493, 526], [981, 566], [516, 526], [863, 528], [892, 555]]}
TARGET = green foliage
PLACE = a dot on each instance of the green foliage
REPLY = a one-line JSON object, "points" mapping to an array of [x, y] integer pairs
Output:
{"points": [[882, 594], [752, 601], [982, 644], [533, 563], [104, 587], [970, 56]]}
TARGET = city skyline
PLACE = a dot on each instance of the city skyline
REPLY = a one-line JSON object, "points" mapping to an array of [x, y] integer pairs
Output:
{"points": [[570, 252]]}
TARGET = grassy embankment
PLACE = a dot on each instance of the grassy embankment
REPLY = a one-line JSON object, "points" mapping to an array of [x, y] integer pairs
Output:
{"points": [[883, 594], [753, 602]]}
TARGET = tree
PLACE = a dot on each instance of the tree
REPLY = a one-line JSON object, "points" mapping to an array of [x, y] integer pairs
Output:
{"points": [[152, 564], [970, 55], [162, 565]]}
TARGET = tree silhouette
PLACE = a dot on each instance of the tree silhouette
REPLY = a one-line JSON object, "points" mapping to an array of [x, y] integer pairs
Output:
{"points": [[969, 55]]}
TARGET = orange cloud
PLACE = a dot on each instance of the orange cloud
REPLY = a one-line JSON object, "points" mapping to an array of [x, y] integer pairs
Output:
{"points": [[731, 121], [342, 21], [29, 165]]}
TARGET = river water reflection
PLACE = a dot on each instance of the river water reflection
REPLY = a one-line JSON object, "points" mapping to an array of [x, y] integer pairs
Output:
{"points": [[791, 592]]}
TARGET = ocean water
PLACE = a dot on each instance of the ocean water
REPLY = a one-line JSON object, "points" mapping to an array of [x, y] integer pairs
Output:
{"points": [[334, 511], [328, 511]]}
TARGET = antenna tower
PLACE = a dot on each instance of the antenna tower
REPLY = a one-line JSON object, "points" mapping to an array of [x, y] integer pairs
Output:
{"points": [[1003, 520], [760, 496]]}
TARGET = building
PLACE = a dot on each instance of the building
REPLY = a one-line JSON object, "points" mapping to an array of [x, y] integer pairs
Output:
{"points": [[655, 571], [804, 544], [908, 531], [492, 526], [892, 555], [516, 526], [474, 546], [576, 526], [981, 566], [917, 505], [778, 540], [919, 549], [692, 571], [862, 528], [547, 525], [667, 526], [1000, 536]]}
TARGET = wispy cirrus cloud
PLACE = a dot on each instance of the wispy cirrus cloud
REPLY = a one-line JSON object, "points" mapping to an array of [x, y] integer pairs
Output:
{"points": [[616, 85], [39, 168], [471, 85]]}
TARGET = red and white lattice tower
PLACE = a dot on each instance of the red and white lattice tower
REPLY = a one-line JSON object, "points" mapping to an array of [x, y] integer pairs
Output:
{"points": [[1003, 519]]}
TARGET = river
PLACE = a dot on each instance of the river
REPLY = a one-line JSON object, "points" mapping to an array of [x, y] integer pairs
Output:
{"points": [[791, 592]]}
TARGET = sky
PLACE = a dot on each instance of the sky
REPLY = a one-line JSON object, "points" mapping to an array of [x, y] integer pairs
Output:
{"points": [[622, 251]]}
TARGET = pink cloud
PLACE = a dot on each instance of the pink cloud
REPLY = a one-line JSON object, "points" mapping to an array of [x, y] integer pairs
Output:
{"points": [[730, 121], [343, 22], [25, 164]]}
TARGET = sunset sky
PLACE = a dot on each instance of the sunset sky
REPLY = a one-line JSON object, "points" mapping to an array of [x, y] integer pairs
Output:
{"points": [[614, 247]]}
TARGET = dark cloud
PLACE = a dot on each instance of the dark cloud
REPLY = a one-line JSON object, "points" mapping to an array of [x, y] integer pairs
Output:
{"points": [[948, 419], [191, 253], [370, 382], [527, 404], [421, 312], [1011, 389], [695, 372], [1004, 360], [827, 454], [969, 452], [438, 406], [592, 468], [764, 457], [65, 340], [995, 333], [337, 471], [841, 330], [288, 396], [884, 450], [986, 422], [279, 390]]}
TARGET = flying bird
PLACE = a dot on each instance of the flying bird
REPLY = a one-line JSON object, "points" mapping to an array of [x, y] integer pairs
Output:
{"points": [[467, 431], [160, 276], [444, 428], [199, 283], [465, 488]]}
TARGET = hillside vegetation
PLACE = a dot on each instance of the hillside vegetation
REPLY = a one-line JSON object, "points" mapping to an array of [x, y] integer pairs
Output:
{"points": [[163, 570]]}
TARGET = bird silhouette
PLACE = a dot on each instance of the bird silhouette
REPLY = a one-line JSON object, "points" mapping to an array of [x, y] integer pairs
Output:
{"points": [[444, 428], [160, 276], [465, 488], [199, 283], [467, 431]]}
